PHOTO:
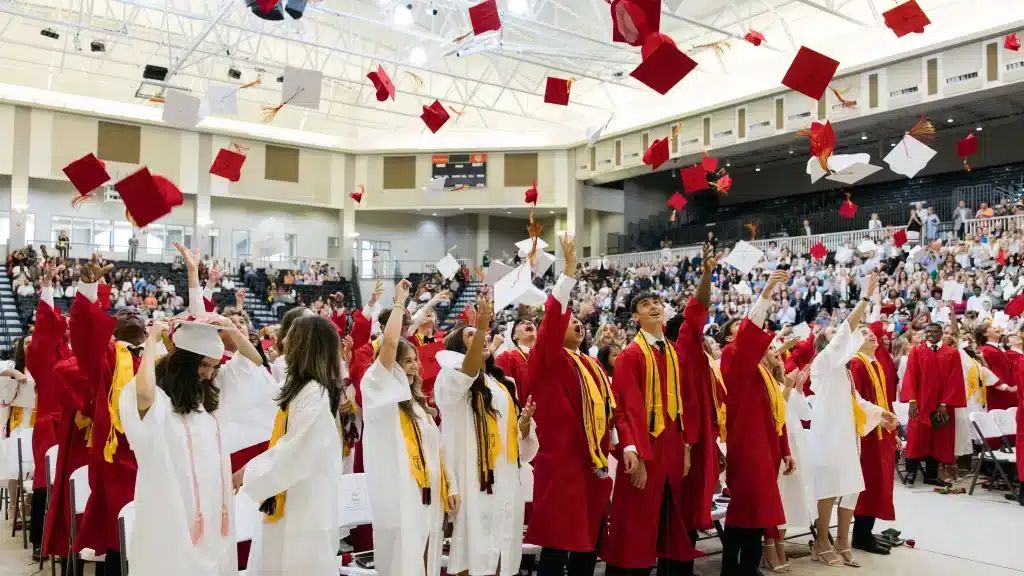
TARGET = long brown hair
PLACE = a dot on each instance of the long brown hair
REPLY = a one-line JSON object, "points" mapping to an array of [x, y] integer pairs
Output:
{"points": [[314, 339], [177, 374], [416, 386], [286, 325]]}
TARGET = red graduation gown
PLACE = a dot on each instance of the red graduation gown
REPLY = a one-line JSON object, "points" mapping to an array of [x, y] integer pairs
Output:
{"points": [[513, 363], [933, 378], [112, 483], [636, 538], [569, 498], [1000, 365], [76, 398], [1019, 371], [48, 347], [877, 455], [755, 450]]}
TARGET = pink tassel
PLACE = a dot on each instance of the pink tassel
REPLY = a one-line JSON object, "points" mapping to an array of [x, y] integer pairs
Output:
{"points": [[223, 520], [197, 529]]}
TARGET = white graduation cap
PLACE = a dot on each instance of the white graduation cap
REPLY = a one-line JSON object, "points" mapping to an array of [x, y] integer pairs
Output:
{"points": [[533, 296], [542, 261], [801, 331], [302, 87], [202, 339], [594, 132], [912, 255], [269, 238], [952, 291], [909, 157], [181, 110], [448, 266], [449, 359], [854, 172], [513, 286], [222, 99], [1000, 319], [525, 245], [867, 246], [669, 312], [744, 256], [495, 271], [941, 315], [434, 187], [743, 289], [844, 255], [814, 169]]}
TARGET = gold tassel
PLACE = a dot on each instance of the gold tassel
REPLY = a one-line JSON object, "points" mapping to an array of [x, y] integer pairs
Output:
{"points": [[843, 101], [456, 111], [128, 217], [270, 112], [753, 230], [460, 187], [158, 99], [416, 79], [923, 131], [672, 218], [676, 129], [80, 199], [718, 47]]}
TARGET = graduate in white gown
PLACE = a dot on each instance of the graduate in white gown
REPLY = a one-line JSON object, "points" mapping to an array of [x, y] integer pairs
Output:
{"points": [[298, 478], [978, 378], [478, 407], [183, 502], [840, 418], [402, 458], [279, 366]]}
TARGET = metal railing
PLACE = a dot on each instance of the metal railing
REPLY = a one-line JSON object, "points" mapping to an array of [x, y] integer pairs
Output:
{"points": [[984, 226]]}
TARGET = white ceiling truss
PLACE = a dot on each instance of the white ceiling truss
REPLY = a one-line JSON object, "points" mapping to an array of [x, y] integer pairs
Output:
{"points": [[498, 89]]}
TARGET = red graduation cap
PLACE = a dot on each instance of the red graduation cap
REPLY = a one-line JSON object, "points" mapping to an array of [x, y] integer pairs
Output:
{"points": [[148, 197], [657, 154], [677, 201], [531, 194], [848, 210], [810, 73], [357, 196], [906, 18], [557, 91], [484, 17], [818, 251], [899, 238], [663, 67], [754, 37], [103, 295], [709, 164], [634, 20], [1012, 42], [1015, 307], [694, 179], [434, 116], [87, 173], [967, 147], [382, 83], [723, 184], [266, 5], [228, 164]]}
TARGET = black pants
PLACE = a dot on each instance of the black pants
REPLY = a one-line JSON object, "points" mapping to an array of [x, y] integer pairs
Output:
{"points": [[36, 517], [741, 553], [931, 468], [132, 252], [863, 527], [553, 562]]}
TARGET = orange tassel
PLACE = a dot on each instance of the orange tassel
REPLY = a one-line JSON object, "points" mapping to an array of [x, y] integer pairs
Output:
{"points": [[158, 99], [197, 529], [80, 199], [463, 37], [270, 112], [672, 218], [923, 131], [753, 230], [675, 129], [718, 47], [967, 167], [568, 83], [456, 111], [239, 148], [843, 101], [255, 82], [460, 187], [128, 217]]}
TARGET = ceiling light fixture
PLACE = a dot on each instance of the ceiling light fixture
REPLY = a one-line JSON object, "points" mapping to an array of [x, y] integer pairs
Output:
{"points": [[551, 211], [790, 150], [234, 73], [461, 208], [979, 128], [518, 6], [49, 33], [508, 212], [892, 144], [403, 15], [728, 164], [97, 46], [757, 169], [418, 56], [433, 213], [863, 135], [949, 120]]}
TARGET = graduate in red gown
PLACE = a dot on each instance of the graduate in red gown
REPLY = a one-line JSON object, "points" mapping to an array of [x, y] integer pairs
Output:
{"points": [[758, 446], [48, 346], [575, 418], [1019, 371], [108, 366], [1002, 395], [933, 385], [513, 362], [874, 377]]}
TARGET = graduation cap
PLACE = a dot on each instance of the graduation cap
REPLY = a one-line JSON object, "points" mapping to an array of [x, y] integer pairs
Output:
{"points": [[899, 238], [867, 246], [744, 256], [435, 116], [515, 286], [181, 110], [853, 173], [301, 87], [495, 271], [228, 164], [199, 338], [810, 73], [818, 251], [1015, 307], [844, 255], [694, 179], [966, 148], [677, 201], [87, 173], [754, 37], [434, 187], [594, 132], [821, 142], [382, 84], [906, 18], [848, 210], [269, 238], [909, 156], [557, 91], [663, 67], [525, 246], [634, 20], [657, 153], [1012, 42], [222, 99], [148, 197], [531, 194], [484, 17], [448, 266], [709, 164], [357, 196], [542, 261]]}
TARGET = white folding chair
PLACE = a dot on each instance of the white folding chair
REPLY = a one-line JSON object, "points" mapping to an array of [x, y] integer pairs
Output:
{"points": [[1007, 424], [902, 411], [354, 510], [22, 439], [986, 426], [78, 496], [125, 524]]}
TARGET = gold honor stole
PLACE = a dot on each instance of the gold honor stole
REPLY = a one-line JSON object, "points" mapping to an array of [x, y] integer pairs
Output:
{"points": [[878, 384], [17, 415], [974, 385], [716, 377], [490, 450], [521, 353], [280, 428], [598, 405], [124, 371], [418, 461], [653, 401], [776, 401], [83, 422]]}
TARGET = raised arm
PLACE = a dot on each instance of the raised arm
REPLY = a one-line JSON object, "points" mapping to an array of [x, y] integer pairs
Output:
{"points": [[759, 311], [474, 360], [421, 314], [708, 264], [393, 329], [557, 313], [91, 327], [145, 377], [196, 307]]}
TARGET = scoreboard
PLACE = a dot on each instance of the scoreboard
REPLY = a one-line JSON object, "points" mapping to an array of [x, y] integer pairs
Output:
{"points": [[466, 170]]}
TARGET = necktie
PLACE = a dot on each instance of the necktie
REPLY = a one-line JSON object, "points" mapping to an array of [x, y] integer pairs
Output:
{"points": [[135, 350], [935, 347], [661, 346]]}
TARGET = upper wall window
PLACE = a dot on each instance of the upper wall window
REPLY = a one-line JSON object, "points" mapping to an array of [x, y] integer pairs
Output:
{"points": [[520, 169], [399, 172], [118, 142], [281, 164]]}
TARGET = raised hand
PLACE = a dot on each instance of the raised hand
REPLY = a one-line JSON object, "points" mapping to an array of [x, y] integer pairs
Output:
{"points": [[346, 349], [190, 258], [568, 244], [215, 274], [93, 271], [710, 259], [484, 314], [402, 292], [158, 330], [526, 416], [378, 289], [239, 298], [52, 270]]}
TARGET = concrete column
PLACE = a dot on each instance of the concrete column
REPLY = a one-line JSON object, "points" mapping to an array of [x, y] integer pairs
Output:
{"points": [[574, 214], [19, 178], [354, 169], [483, 237], [597, 235]]}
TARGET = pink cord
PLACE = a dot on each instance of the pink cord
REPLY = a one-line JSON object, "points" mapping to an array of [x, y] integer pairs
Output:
{"points": [[198, 525]]}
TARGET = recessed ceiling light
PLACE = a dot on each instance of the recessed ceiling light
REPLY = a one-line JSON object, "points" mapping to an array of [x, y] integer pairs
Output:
{"points": [[418, 55], [461, 208], [949, 120], [433, 213], [551, 211], [728, 164], [790, 150], [757, 169], [892, 144], [978, 129], [508, 212], [403, 16], [518, 6], [864, 136]]}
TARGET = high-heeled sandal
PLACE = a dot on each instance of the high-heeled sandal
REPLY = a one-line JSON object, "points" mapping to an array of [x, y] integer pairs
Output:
{"points": [[828, 557], [780, 569], [852, 562]]}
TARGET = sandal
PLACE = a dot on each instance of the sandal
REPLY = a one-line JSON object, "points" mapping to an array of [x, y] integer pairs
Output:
{"points": [[828, 557], [780, 569], [851, 561]]}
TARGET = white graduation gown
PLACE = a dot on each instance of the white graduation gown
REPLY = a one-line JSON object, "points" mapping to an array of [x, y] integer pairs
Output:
{"points": [[834, 444], [797, 489], [247, 407], [487, 527], [165, 510], [306, 465], [402, 525], [279, 369], [965, 432]]}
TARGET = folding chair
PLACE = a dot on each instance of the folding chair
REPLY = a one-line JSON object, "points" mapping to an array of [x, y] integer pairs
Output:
{"points": [[989, 430], [1007, 424], [247, 517], [125, 524], [902, 411], [23, 438], [78, 496], [354, 510], [51, 470]]}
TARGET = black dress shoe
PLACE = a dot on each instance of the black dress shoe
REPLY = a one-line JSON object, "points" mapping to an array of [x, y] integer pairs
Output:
{"points": [[910, 479], [871, 545], [937, 482], [37, 553]]}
